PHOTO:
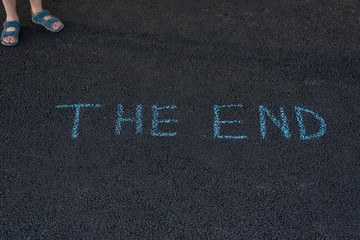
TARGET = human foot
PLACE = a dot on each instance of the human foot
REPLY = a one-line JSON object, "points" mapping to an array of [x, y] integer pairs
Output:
{"points": [[9, 38], [44, 18], [10, 34]]}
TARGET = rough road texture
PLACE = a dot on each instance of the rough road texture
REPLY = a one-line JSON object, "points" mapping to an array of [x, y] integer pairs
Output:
{"points": [[192, 54]]}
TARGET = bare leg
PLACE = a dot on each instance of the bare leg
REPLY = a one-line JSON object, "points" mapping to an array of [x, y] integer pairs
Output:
{"points": [[36, 7], [11, 15]]}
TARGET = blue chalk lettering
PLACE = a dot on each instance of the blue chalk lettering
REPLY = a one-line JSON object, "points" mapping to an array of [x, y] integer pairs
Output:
{"points": [[77, 107], [137, 119], [217, 122], [299, 117], [156, 122], [284, 126]]}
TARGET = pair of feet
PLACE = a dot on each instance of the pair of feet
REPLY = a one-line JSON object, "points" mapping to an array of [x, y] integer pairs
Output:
{"points": [[11, 40]]}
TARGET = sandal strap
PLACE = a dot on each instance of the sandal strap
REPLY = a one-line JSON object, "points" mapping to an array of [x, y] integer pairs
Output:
{"points": [[51, 20], [12, 24], [38, 17], [8, 34]]}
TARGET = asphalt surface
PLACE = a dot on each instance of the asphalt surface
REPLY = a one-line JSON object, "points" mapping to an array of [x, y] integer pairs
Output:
{"points": [[192, 55]]}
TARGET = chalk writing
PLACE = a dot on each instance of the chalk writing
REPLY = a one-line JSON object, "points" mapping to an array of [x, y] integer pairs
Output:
{"points": [[284, 126], [299, 117], [75, 132], [264, 113], [137, 119], [156, 121], [218, 122]]}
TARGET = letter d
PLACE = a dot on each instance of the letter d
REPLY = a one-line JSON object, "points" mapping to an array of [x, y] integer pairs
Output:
{"points": [[299, 118]]}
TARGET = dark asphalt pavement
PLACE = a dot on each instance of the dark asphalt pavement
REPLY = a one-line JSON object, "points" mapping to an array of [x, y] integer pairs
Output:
{"points": [[167, 163]]}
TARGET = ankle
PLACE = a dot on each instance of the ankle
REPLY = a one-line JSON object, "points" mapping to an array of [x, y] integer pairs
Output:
{"points": [[12, 18], [36, 10]]}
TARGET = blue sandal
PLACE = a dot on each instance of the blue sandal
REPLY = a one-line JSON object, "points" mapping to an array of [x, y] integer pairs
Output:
{"points": [[39, 19], [14, 34]]}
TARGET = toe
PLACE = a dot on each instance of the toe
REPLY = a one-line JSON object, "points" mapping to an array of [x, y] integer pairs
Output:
{"points": [[56, 25], [12, 40], [7, 40]]}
